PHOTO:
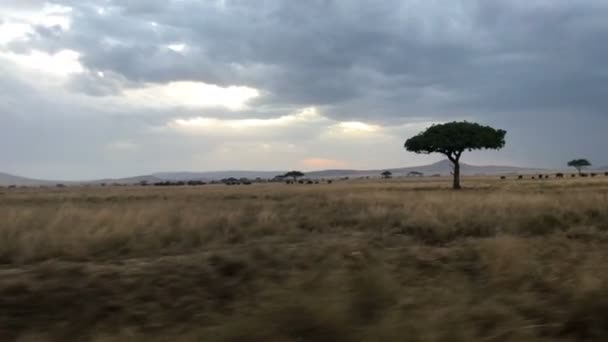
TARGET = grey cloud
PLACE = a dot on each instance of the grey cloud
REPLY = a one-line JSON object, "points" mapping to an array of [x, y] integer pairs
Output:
{"points": [[94, 84], [21, 5], [309, 53]]}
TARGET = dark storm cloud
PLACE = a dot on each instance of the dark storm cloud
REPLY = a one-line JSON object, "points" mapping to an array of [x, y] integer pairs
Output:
{"points": [[495, 56]]}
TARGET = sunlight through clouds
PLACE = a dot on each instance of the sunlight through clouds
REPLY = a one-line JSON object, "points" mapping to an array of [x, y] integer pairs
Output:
{"points": [[177, 47], [192, 94], [356, 126], [13, 31], [62, 63], [199, 124]]}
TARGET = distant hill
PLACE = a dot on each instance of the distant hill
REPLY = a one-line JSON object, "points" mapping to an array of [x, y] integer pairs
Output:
{"points": [[443, 168], [7, 179], [130, 180], [215, 175]]}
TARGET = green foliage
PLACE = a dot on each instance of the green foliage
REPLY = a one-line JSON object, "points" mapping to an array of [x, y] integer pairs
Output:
{"points": [[294, 174], [579, 164], [452, 138]]}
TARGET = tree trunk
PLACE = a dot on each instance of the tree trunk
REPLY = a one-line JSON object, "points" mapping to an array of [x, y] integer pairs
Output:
{"points": [[456, 174]]}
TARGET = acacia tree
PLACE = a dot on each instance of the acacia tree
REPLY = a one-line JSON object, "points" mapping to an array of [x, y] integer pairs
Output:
{"points": [[453, 138], [294, 174], [386, 174], [579, 164]]}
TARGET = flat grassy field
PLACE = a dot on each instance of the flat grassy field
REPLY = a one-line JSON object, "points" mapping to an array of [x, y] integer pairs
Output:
{"points": [[397, 260]]}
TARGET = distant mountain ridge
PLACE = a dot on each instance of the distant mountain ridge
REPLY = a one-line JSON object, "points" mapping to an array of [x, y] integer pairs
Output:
{"points": [[443, 168], [8, 179], [215, 175]]}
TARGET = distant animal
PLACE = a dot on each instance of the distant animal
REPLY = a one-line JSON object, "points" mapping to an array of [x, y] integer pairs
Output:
{"points": [[573, 175], [533, 177], [584, 175], [520, 177], [310, 182], [415, 174], [606, 174], [329, 181], [195, 183], [546, 176], [300, 182], [503, 177], [559, 175], [593, 174], [541, 176]]}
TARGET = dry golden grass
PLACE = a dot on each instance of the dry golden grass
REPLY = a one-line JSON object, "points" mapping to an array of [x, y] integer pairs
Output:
{"points": [[398, 260]]}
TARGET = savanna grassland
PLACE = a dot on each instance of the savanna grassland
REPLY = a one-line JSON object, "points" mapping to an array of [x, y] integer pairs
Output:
{"points": [[398, 260]]}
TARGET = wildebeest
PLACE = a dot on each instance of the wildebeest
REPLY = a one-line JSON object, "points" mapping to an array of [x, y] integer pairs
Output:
{"points": [[606, 174], [584, 175], [573, 175], [593, 174], [520, 177], [559, 175], [329, 181], [503, 177], [533, 177], [310, 182]]}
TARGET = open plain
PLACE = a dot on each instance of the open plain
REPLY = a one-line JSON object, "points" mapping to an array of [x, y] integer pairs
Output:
{"points": [[369, 260]]}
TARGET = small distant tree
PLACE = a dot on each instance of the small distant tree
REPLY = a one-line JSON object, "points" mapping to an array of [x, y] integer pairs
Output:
{"points": [[579, 164], [386, 174], [294, 174], [453, 138]]}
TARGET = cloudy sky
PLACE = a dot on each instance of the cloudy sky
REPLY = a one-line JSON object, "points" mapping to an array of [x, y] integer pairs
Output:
{"points": [[111, 88]]}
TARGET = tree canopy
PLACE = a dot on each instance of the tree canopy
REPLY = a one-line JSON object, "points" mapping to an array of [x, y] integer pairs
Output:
{"points": [[386, 174], [294, 174], [453, 138], [579, 164]]}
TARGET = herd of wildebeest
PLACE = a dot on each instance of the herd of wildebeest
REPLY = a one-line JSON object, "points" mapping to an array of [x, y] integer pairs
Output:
{"points": [[559, 175], [244, 181]]}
